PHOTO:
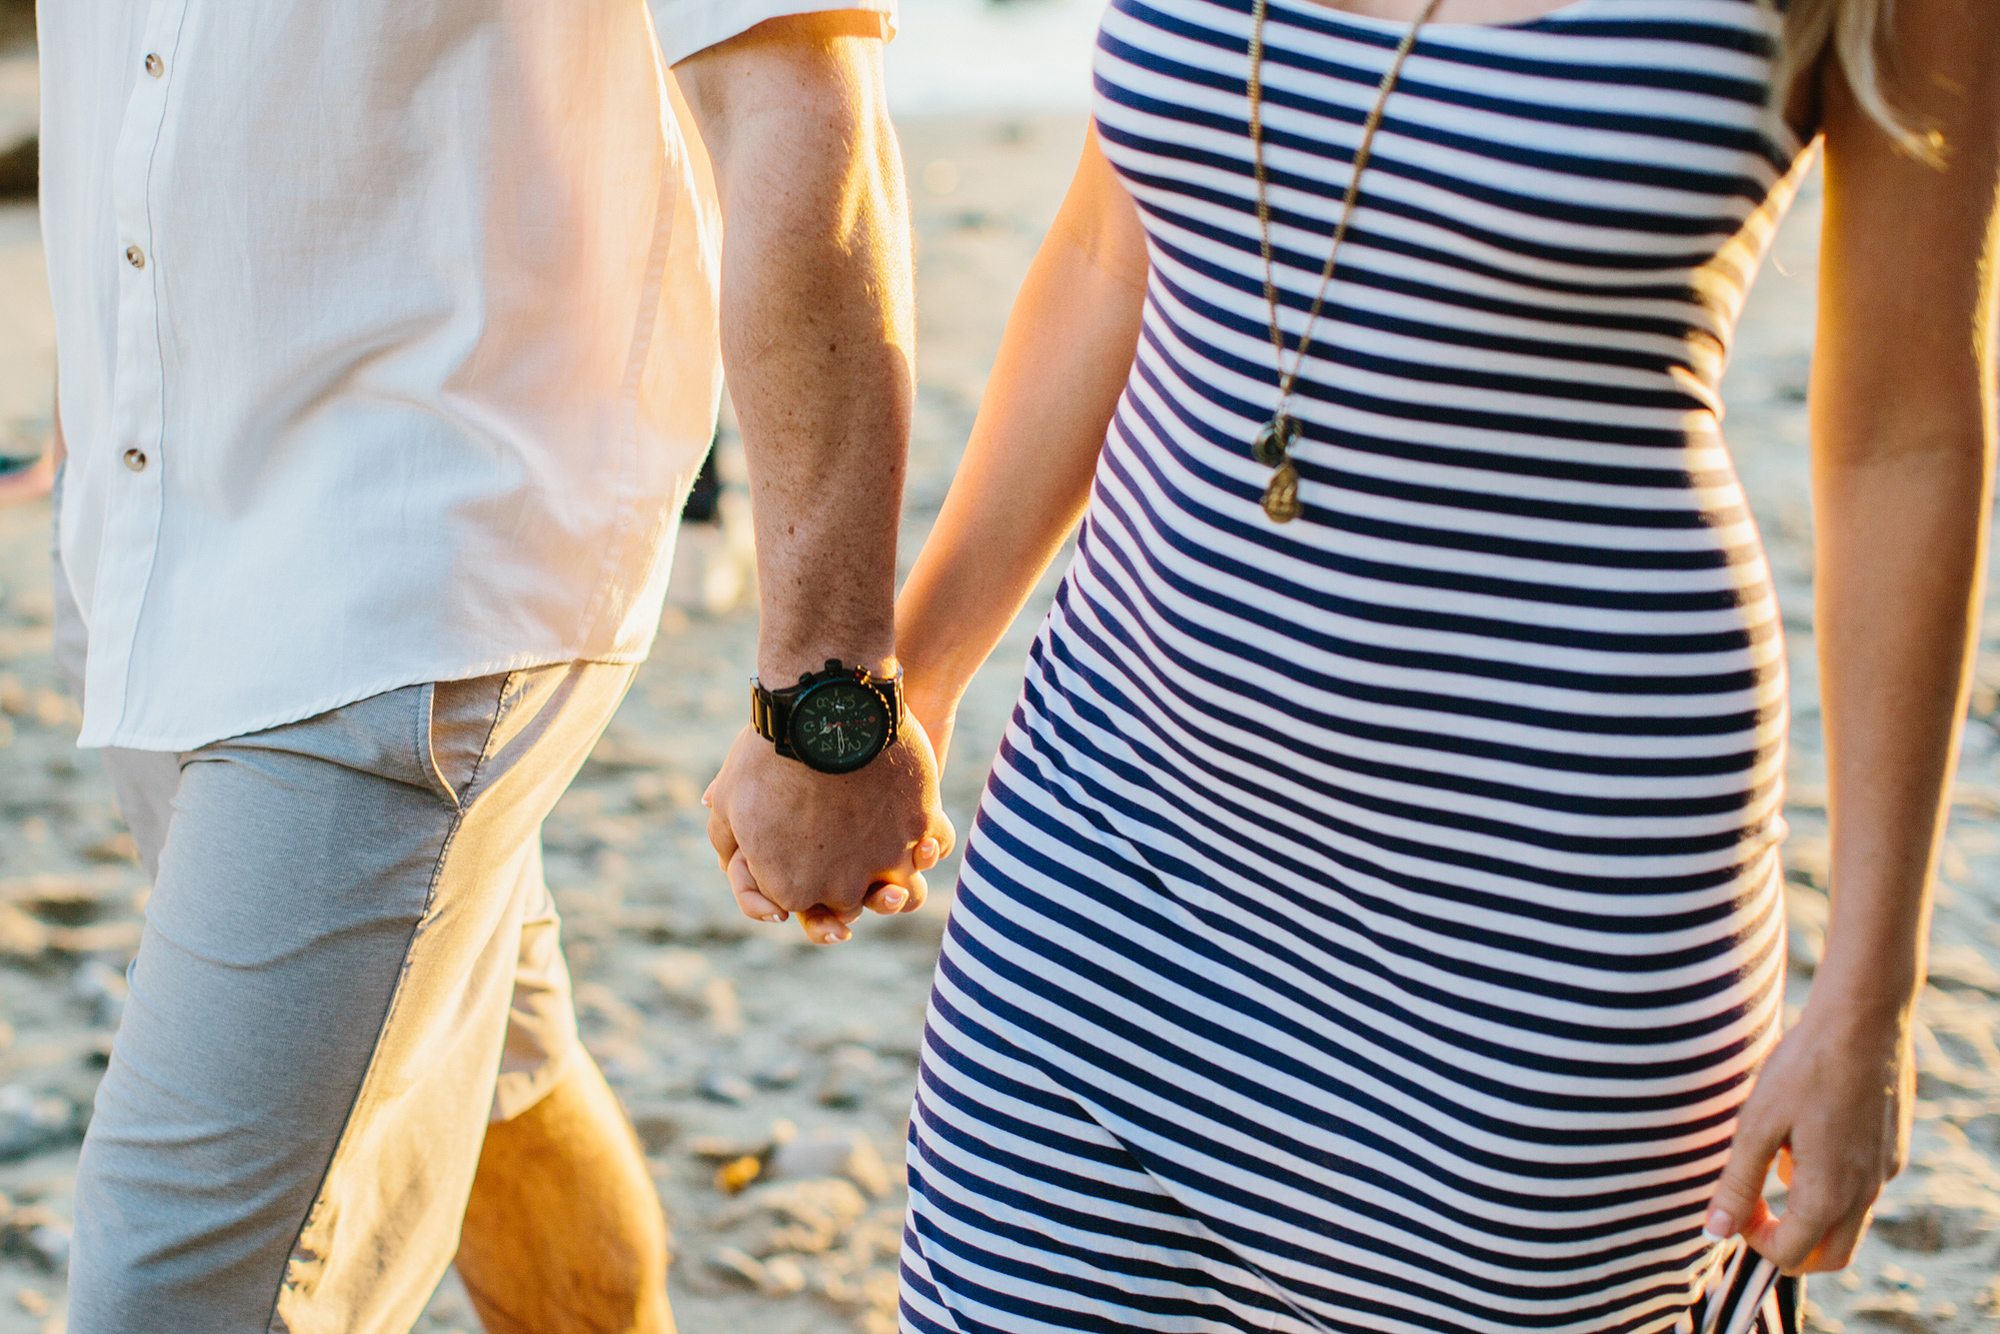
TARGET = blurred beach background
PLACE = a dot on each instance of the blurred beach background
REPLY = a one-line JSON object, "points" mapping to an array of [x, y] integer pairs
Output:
{"points": [[770, 1080]]}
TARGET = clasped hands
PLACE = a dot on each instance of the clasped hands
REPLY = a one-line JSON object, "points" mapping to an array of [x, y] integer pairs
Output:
{"points": [[827, 847]]}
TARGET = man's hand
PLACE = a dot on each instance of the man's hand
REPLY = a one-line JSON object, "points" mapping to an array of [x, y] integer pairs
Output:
{"points": [[1831, 1108], [826, 846]]}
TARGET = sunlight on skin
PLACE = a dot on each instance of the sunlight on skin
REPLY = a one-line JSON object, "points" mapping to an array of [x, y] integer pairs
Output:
{"points": [[563, 1231]]}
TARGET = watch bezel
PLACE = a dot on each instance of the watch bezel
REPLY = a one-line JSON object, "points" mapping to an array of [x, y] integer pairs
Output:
{"points": [[773, 713], [796, 707]]}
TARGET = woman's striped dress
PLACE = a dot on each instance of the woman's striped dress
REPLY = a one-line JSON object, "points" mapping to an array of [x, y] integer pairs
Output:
{"points": [[1373, 922]]}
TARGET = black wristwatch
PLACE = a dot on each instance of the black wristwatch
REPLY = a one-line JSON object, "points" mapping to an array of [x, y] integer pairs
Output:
{"points": [[834, 721]]}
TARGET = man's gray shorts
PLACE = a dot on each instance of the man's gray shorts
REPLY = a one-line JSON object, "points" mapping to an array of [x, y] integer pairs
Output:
{"points": [[350, 963]]}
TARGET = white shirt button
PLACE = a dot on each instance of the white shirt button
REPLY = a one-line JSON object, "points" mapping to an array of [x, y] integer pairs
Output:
{"points": [[154, 65], [135, 257], [135, 460]]}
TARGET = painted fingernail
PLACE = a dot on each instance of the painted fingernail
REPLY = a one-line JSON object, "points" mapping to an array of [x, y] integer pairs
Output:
{"points": [[1717, 1227], [892, 900], [774, 917], [927, 851]]}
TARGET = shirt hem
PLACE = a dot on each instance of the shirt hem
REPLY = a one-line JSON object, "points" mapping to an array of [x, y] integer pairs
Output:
{"points": [[689, 27], [181, 742]]}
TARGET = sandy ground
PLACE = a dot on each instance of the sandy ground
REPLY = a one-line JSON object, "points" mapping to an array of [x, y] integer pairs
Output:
{"points": [[728, 1039]]}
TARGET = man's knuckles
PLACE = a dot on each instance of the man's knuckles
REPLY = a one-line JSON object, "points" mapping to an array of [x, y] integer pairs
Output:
{"points": [[806, 892], [792, 896]]}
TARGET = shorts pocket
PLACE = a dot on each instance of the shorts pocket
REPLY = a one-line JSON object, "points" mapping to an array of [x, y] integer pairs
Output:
{"points": [[459, 719]]}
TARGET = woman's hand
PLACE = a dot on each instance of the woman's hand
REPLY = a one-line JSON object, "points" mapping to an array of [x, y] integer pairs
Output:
{"points": [[1831, 1107]]}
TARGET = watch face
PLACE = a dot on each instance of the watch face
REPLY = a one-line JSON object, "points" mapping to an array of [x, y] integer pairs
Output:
{"points": [[838, 726]]}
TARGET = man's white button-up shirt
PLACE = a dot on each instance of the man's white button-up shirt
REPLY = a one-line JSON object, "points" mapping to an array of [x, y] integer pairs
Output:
{"points": [[387, 335]]}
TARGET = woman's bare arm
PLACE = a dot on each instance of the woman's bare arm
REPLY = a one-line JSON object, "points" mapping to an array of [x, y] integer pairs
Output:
{"points": [[1026, 475], [1903, 431]]}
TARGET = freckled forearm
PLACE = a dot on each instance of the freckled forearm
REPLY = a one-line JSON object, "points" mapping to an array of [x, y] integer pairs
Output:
{"points": [[817, 330]]}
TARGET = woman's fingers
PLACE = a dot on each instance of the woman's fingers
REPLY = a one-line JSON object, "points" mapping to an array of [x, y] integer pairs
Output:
{"points": [[932, 848], [1825, 1215], [823, 926], [886, 899], [943, 835], [904, 889], [1737, 1206], [892, 896], [749, 899], [720, 836], [1836, 1250], [1794, 1238]]}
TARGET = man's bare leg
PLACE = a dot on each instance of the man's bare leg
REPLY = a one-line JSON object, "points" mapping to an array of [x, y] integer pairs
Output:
{"points": [[563, 1232]]}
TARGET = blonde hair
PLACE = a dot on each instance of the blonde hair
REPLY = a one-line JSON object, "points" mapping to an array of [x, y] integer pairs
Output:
{"points": [[1857, 33]]}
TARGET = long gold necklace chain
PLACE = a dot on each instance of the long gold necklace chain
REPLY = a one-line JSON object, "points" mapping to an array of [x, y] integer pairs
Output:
{"points": [[1273, 445]]}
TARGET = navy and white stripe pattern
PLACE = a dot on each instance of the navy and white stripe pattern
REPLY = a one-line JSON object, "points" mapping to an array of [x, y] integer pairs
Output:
{"points": [[1373, 922]]}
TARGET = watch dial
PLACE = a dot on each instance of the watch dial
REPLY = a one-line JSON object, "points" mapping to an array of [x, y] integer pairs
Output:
{"points": [[839, 725]]}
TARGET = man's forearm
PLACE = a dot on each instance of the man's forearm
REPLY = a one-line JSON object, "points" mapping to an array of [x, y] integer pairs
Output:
{"points": [[817, 325]]}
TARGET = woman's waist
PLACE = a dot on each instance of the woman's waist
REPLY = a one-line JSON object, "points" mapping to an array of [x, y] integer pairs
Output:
{"points": [[1520, 565], [1577, 803]]}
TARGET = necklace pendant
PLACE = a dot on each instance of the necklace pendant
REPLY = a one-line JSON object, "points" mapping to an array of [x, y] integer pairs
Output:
{"points": [[1274, 441], [1281, 497]]}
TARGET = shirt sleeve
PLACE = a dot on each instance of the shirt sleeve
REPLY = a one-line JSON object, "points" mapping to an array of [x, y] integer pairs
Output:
{"points": [[688, 26]]}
